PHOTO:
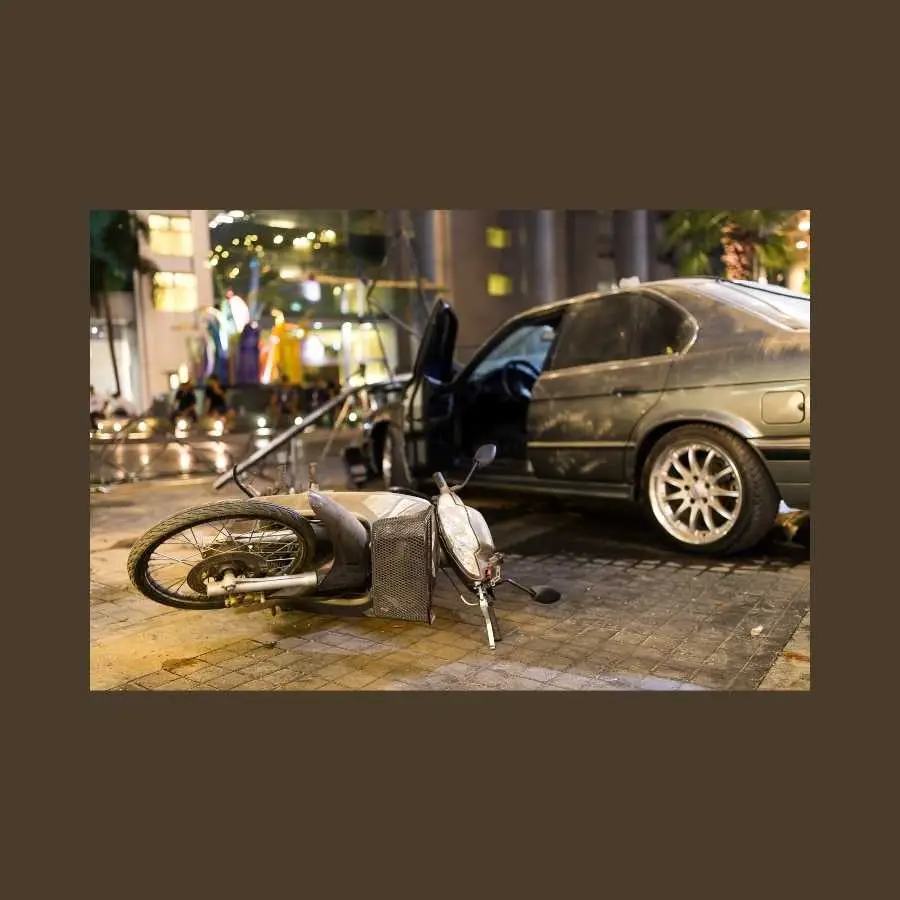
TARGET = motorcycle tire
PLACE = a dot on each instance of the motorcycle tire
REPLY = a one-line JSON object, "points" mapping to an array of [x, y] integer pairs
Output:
{"points": [[257, 510]]}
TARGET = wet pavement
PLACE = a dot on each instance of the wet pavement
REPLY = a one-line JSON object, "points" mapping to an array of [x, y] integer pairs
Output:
{"points": [[635, 615]]}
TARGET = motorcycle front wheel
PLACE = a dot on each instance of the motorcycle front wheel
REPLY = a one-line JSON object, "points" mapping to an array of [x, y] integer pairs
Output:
{"points": [[172, 561]]}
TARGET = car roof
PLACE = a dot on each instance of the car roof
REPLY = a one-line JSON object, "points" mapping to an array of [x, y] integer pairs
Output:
{"points": [[695, 282]]}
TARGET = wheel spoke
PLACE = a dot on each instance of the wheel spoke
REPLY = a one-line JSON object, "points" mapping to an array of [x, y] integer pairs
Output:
{"points": [[707, 517], [722, 473], [685, 503], [676, 464], [709, 458], [724, 513], [692, 519], [692, 461], [720, 492]]}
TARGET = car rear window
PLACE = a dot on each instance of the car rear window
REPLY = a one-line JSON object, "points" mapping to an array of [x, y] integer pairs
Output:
{"points": [[786, 308]]}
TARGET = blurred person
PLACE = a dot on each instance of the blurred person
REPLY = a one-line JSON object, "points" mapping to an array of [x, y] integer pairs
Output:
{"points": [[184, 405], [122, 407], [284, 403], [98, 407], [216, 400]]}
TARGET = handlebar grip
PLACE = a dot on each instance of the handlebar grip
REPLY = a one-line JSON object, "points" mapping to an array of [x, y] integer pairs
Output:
{"points": [[441, 483]]}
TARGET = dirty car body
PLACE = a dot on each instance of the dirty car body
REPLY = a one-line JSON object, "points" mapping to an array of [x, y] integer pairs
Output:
{"points": [[690, 395]]}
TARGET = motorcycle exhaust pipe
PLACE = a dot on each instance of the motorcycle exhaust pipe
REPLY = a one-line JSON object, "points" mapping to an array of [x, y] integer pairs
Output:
{"points": [[229, 586]]}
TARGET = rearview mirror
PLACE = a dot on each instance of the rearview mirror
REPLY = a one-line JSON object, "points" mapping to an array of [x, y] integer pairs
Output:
{"points": [[485, 455]]}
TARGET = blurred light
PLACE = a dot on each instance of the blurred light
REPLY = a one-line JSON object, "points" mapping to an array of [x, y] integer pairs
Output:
{"points": [[317, 246], [278, 238], [312, 290], [353, 417], [347, 327], [174, 381], [236, 241], [804, 225], [214, 261], [260, 422], [95, 329], [367, 326], [237, 213], [328, 235], [143, 426], [184, 459], [762, 279], [336, 345], [317, 325], [117, 426], [99, 426], [802, 245], [218, 248], [296, 307], [337, 291], [217, 428], [311, 236], [225, 254], [281, 223], [182, 424], [145, 458], [297, 242], [289, 272], [183, 373], [298, 420], [235, 271]]}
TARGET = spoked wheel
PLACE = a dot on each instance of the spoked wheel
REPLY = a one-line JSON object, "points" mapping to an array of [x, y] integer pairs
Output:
{"points": [[708, 491], [171, 563]]}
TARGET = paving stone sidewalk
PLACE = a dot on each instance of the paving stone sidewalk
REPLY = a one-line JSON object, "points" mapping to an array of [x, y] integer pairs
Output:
{"points": [[626, 622]]}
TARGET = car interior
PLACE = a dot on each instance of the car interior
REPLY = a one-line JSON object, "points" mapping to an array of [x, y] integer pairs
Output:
{"points": [[492, 401]]}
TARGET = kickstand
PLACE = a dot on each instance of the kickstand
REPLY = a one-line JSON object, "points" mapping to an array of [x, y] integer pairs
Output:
{"points": [[486, 604], [485, 601]]}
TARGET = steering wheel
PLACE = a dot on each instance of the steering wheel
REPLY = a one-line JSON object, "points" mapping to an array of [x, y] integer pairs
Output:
{"points": [[518, 378]]}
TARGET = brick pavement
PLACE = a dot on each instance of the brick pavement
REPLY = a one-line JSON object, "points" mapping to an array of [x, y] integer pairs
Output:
{"points": [[627, 621]]}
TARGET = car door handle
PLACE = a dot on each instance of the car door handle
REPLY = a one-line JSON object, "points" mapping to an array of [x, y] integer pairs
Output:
{"points": [[625, 391]]}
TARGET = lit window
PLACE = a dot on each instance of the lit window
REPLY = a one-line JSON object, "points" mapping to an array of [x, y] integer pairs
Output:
{"points": [[175, 291], [499, 285], [170, 235], [498, 237]]}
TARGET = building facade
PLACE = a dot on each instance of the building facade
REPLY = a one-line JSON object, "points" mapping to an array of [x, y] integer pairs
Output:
{"points": [[500, 262]]}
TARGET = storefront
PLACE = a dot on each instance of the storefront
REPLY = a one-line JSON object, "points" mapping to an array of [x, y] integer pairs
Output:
{"points": [[291, 298]]}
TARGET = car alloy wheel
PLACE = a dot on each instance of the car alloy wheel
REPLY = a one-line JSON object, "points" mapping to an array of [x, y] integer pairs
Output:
{"points": [[696, 492]]}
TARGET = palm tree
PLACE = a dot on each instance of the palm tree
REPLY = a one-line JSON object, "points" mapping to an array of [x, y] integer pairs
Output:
{"points": [[115, 257], [746, 241]]}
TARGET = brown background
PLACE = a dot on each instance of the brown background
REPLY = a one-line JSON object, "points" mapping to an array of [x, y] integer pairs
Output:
{"points": [[130, 795]]}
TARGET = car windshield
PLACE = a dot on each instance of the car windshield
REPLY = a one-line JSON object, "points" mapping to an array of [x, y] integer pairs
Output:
{"points": [[530, 342], [786, 307]]}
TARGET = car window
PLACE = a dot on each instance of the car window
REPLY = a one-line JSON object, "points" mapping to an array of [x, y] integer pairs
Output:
{"points": [[599, 331], [662, 329], [530, 342]]}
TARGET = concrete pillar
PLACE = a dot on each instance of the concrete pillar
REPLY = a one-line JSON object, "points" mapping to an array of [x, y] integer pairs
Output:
{"points": [[550, 256], [632, 239]]}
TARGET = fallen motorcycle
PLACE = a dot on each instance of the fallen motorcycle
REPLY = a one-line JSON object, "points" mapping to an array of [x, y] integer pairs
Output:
{"points": [[335, 552]]}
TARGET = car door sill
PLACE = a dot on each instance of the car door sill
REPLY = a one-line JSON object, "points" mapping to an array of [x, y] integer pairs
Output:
{"points": [[533, 485]]}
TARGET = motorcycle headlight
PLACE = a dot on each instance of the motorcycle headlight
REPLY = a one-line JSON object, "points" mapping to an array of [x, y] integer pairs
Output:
{"points": [[460, 539]]}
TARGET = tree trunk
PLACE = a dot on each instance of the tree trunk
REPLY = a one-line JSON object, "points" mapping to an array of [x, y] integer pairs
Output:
{"points": [[737, 255], [107, 312]]}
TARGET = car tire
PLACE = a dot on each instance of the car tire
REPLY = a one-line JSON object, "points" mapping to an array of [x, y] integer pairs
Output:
{"points": [[727, 510]]}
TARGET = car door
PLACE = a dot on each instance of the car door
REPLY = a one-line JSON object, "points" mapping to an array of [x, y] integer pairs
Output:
{"points": [[608, 370], [427, 401]]}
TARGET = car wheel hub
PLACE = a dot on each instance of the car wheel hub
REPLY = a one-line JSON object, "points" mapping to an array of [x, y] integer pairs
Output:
{"points": [[696, 492]]}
